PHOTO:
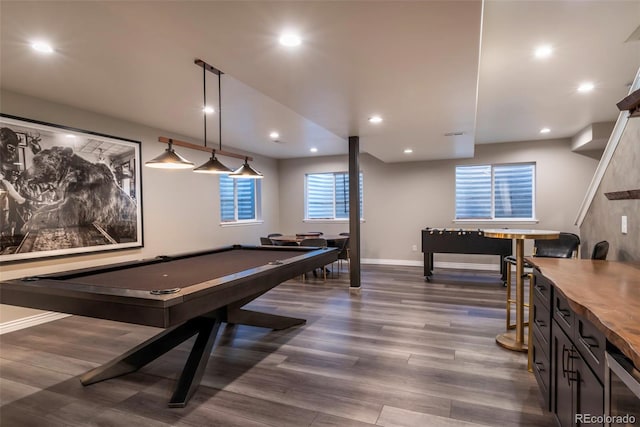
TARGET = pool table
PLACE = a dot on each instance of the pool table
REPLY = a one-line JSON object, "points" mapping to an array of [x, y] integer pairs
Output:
{"points": [[188, 294]]}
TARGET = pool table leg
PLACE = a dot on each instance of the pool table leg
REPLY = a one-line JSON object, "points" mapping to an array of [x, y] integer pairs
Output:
{"points": [[234, 313], [205, 326], [196, 363], [262, 320]]}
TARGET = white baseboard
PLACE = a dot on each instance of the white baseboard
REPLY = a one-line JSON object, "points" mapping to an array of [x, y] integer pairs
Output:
{"points": [[378, 261], [414, 263], [26, 322]]}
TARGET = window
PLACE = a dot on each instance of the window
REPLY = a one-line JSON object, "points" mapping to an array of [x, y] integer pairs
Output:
{"points": [[495, 192], [239, 199], [327, 195]]}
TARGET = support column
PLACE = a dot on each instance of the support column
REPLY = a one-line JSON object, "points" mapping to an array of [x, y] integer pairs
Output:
{"points": [[354, 213]]}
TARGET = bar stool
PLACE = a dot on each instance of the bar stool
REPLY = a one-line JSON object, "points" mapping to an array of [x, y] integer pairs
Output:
{"points": [[565, 246], [511, 302]]}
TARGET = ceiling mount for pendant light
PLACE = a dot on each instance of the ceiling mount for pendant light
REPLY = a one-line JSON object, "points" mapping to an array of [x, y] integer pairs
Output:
{"points": [[246, 171], [213, 165], [169, 160]]}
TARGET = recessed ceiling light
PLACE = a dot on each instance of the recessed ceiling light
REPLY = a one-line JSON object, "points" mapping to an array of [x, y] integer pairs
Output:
{"points": [[42, 47], [545, 130], [274, 135], [314, 150], [408, 151], [208, 110], [543, 51], [375, 119], [70, 136], [586, 87], [290, 39]]}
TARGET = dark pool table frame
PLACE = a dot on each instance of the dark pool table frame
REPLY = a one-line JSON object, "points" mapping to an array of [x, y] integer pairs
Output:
{"points": [[194, 310]]}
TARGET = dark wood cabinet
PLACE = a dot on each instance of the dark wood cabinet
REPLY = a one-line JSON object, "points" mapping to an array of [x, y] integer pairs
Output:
{"points": [[577, 390], [589, 391], [562, 404], [568, 356], [541, 337]]}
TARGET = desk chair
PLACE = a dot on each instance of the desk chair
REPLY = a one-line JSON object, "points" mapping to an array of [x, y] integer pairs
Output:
{"points": [[343, 244], [600, 250], [565, 246], [319, 243], [274, 235]]}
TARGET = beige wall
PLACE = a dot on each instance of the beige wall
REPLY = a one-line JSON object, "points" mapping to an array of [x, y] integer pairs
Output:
{"points": [[603, 219], [402, 198], [181, 209]]}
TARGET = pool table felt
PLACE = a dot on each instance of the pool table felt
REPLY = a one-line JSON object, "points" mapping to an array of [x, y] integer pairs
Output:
{"points": [[184, 272]]}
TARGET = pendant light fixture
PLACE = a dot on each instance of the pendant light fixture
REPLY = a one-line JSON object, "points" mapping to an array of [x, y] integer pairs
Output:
{"points": [[172, 160], [213, 165], [169, 160], [246, 171]]}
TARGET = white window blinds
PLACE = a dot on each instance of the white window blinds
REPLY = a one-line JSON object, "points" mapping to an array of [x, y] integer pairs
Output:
{"points": [[238, 199], [495, 191], [327, 195]]}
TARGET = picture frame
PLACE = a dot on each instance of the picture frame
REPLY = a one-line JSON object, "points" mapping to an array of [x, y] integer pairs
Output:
{"points": [[66, 191]]}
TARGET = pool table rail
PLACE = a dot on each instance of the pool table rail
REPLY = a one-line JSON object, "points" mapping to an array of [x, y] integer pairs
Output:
{"points": [[67, 293]]}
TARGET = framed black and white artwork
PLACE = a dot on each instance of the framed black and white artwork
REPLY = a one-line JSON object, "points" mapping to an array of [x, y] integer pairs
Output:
{"points": [[66, 191]]}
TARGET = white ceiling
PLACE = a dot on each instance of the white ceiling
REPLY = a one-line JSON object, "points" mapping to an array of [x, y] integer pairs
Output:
{"points": [[427, 67]]}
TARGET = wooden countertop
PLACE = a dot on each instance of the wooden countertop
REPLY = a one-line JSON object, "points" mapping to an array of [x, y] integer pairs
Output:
{"points": [[607, 293]]}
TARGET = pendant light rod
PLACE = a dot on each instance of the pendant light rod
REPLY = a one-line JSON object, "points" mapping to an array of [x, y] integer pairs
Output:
{"points": [[204, 102], [184, 144], [206, 67], [219, 111]]}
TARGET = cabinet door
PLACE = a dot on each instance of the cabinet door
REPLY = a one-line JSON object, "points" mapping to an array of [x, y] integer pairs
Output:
{"points": [[589, 392], [562, 363], [541, 370]]}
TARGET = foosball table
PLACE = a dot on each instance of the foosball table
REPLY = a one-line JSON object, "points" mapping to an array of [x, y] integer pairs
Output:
{"points": [[461, 241]]}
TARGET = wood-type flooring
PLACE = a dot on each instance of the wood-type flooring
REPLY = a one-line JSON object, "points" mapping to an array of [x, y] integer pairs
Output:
{"points": [[402, 353]]}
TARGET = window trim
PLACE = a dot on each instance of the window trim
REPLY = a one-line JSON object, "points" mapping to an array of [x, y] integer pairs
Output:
{"points": [[331, 221], [533, 220], [241, 223]]}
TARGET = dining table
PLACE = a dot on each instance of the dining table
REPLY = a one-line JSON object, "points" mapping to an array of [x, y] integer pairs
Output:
{"points": [[333, 241], [297, 238]]}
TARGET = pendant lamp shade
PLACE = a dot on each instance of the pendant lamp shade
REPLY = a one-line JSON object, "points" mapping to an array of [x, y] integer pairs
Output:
{"points": [[246, 171], [169, 160], [212, 166]]}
